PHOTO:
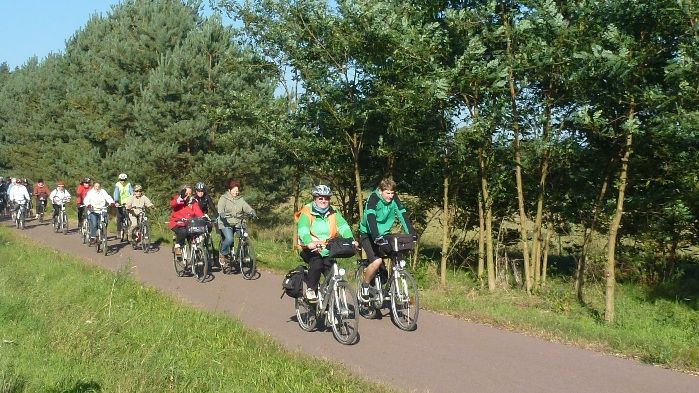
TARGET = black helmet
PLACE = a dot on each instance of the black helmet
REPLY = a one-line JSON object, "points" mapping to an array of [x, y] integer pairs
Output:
{"points": [[200, 187]]}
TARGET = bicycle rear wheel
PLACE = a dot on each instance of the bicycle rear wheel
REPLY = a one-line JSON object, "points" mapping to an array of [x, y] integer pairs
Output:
{"points": [[200, 265], [248, 265], [405, 301], [305, 314], [343, 315]]}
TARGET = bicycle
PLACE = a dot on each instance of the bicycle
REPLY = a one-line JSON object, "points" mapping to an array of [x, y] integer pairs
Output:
{"points": [[400, 287], [336, 302], [84, 225], [243, 255], [195, 257], [123, 224], [41, 208], [60, 221], [101, 233], [19, 215], [142, 232]]}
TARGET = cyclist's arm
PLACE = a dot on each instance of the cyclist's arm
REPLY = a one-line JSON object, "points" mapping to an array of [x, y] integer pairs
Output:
{"points": [[304, 230], [370, 213], [402, 214], [343, 227], [116, 194]]}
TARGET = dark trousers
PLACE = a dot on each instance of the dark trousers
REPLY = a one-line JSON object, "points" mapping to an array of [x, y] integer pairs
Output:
{"points": [[316, 265], [180, 235], [120, 212]]}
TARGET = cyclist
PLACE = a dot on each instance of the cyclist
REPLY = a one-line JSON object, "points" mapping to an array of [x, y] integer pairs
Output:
{"points": [[59, 195], [122, 192], [231, 206], [96, 199], [201, 195], [80, 193], [3, 193], [18, 194], [380, 213], [318, 222], [184, 207], [134, 206], [41, 194]]}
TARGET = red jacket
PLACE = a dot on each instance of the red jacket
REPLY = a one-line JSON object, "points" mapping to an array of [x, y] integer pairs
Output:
{"points": [[182, 211], [41, 191], [80, 193]]}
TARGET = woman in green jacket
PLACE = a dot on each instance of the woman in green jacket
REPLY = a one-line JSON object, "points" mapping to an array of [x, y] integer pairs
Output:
{"points": [[318, 222]]}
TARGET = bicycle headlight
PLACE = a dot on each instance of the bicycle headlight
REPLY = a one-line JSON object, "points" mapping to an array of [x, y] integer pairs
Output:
{"points": [[401, 263], [341, 271]]}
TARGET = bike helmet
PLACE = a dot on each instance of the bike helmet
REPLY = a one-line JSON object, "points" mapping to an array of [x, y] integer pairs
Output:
{"points": [[321, 190], [137, 188], [200, 187], [86, 180], [122, 176]]}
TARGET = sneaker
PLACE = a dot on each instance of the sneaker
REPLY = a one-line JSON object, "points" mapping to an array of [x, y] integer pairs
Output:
{"points": [[92, 240], [178, 251], [311, 295], [223, 261]]}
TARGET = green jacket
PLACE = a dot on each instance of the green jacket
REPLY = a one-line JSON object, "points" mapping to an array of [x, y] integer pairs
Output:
{"points": [[232, 208], [379, 216], [313, 226]]}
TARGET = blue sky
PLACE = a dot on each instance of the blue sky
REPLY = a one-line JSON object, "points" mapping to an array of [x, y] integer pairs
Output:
{"points": [[38, 27]]}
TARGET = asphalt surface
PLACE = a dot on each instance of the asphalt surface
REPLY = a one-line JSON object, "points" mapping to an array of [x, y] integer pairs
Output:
{"points": [[444, 354]]}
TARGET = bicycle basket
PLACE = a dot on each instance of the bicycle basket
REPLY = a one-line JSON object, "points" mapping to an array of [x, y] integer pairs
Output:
{"points": [[401, 242], [341, 248], [197, 226]]}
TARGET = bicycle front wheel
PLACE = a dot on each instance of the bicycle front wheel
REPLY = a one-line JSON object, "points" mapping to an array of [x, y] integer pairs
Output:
{"points": [[343, 314], [104, 239], [405, 301], [200, 265], [64, 218], [248, 266], [145, 238]]}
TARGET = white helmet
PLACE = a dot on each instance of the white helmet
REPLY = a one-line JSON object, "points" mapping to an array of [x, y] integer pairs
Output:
{"points": [[122, 176], [321, 190]]}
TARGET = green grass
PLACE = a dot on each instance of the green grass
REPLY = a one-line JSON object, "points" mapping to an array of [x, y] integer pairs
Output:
{"points": [[67, 326]]}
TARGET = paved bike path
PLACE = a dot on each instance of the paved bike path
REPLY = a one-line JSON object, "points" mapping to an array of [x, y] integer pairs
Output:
{"points": [[444, 354]]}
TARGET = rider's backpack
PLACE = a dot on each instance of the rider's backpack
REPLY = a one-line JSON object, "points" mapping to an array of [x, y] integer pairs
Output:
{"points": [[292, 285]]}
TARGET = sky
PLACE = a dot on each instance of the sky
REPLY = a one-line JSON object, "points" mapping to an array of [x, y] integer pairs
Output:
{"points": [[39, 27]]}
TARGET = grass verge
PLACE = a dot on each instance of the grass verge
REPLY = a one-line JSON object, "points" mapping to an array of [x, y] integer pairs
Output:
{"points": [[67, 326]]}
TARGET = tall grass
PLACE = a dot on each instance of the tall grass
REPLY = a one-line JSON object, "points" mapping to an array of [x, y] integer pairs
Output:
{"points": [[66, 326]]}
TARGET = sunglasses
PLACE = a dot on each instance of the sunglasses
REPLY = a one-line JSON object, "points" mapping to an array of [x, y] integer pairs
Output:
{"points": [[324, 198]]}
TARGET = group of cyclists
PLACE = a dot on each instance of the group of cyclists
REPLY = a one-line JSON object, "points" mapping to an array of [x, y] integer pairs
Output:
{"points": [[317, 222]]}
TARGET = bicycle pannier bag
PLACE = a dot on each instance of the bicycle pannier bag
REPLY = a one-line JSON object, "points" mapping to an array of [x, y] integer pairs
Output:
{"points": [[341, 248], [292, 285]]}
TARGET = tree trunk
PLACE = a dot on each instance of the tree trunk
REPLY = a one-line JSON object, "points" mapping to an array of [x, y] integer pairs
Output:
{"points": [[537, 238], [481, 240], [614, 226], [545, 260], [445, 234], [357, 175], [488, 208], [580, 269], [518, 162]]}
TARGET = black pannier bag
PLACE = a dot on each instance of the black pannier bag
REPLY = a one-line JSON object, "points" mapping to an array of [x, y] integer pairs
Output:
{"points": [[400, 242], [341, 248], [292, 285]]}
